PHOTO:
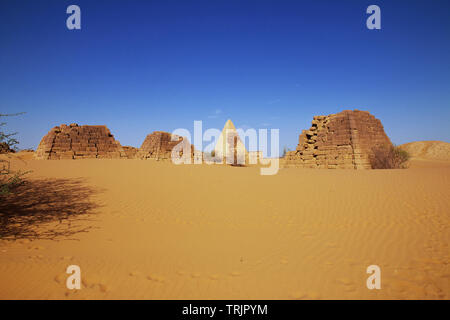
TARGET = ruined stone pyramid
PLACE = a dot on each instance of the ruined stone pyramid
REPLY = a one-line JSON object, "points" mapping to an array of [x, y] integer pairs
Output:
{"points": [[79, 142], [159, 144], [344, 140]]}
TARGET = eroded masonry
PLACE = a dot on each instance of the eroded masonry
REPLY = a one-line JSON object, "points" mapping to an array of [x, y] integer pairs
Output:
{"points": [[344, 140], [79, 142], [159, 145]]}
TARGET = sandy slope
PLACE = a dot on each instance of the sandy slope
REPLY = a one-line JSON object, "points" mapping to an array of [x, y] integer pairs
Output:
{"points": [[215, 232], [429, 150]]}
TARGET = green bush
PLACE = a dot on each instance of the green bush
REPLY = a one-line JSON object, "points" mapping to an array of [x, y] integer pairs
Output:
{"points": [[8, 178]]}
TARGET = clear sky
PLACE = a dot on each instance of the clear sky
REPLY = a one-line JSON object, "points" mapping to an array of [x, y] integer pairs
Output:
{"points": [[140, 66]]}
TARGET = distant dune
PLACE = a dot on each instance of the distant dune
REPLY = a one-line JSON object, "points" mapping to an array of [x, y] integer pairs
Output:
{"points": [[429, 150], [21, 155]]}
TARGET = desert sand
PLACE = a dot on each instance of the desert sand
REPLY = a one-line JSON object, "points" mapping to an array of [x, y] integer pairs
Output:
{"points": [[153, 230], [428, 150]]}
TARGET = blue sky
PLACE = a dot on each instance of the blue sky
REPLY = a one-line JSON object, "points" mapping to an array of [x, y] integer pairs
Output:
{"points": [[140, 66]]}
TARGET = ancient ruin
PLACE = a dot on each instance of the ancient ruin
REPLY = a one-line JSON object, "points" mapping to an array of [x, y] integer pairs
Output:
{"points": [[229, 147], [159, 144], [345, 140], [79, 142], [130, 152]]}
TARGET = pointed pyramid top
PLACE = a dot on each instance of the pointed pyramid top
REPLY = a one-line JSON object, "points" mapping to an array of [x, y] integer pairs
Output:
{"points": [[229, 125], [223, 143]]}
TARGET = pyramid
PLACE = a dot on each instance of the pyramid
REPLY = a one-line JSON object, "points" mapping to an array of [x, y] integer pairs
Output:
{"points": [[159, 144], [229, 146], [345, 140], [79, 142]]}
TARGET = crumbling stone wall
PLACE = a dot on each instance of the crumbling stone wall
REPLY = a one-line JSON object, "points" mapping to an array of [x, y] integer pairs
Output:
{"points": [[158, 145], [345, 140], [79, 142], [130, 152]]}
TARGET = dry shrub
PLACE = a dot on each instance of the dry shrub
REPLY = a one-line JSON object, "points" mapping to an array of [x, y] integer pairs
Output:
{"points": [[389, 157]]}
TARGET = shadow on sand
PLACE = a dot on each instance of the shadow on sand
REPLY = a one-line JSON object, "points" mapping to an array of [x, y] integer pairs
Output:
{"points": [[46, 209]]}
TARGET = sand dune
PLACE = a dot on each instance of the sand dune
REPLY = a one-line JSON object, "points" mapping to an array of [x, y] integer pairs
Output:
{"points": [[429, 150], [152, 230], [21, 155]]}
